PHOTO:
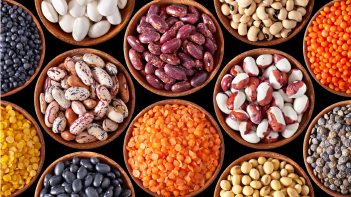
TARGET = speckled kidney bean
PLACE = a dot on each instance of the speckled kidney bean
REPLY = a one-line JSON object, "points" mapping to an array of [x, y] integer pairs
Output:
{"points": [[47, 83], [194, 50], [149, 68], [175, 72], [171, 33], [154, 81], [50, 113], [56, 83], [43, 103], [155, 48], [181, 86], [78, 108], [70, 116], [115, 87], [199, 65], [186, 60], [59, 125], [135, 59], [114, 114], [103, 94], [209, 46], [177, 25], [135, 43], [163, 13], [188, 72], [198, 79], [59, 97], [202, 28], [84, 73], [170, 59], [208, 62], [197, 38], [93, 90], [111, 69], [184, 32], [154, 9], [161, 74], [123, 92], [192, 17], [156, 61], [158, 23], [142, 20], [101, 76], [184, 47], [56, 73], [144, 28], [70, 66], [149, 37], [171, 46], [93, 60], [100, 109], [48, 94], [177, 10], [209, 23], [171, 21], [168, 86], [81, 123], [64, 83], [76, 93]]}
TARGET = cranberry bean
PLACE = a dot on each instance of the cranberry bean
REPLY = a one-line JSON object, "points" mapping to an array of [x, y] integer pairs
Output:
{"points": [[168, 35], [197, 38], [149, 37], [135, 59], [171, 46], [144, 28], [175, 72], [171, 21], [186, 60], [152, 10], [155, 48], [184, 32], [199, 79], [154, 81], [161, 74], [158, 23], [202, 28], [135, 43], [146, 55], [156, 61], [181, 86], [206, 19], [170, 59], [177, 10], [208, 61], [199, 65], [194, 51], [143, 73]]}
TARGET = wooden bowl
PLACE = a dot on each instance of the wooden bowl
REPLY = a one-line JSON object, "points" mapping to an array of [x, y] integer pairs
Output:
{"points": [[179, 102], [306, 146], [297, 169], [309, 93], [41, 139], [42, 52], [56, 30], [226, 23], [85, 154], [131, 30], [107, 58], [308, 64]]}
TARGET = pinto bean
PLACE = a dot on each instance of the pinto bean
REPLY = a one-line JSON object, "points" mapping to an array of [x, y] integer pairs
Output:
{"points": [[81, 123], [170, 59], [50, 113], [70, 66], [154, 81]]}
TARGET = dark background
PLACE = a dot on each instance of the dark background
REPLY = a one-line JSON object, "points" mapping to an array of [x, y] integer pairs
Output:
{"points": [[203, 97]]}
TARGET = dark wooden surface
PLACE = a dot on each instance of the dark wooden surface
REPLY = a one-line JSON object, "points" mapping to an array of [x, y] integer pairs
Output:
{"points": [[203, 97]]}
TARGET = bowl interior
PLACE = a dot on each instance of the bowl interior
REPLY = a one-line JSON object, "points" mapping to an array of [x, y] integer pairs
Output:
{"points": [[131, 30], [42, 52], [126, 185], [179, 102], [41, 139], [226, 23], [309, 93], [107, 58], [306, 146], [56, 30], [297, 169]]}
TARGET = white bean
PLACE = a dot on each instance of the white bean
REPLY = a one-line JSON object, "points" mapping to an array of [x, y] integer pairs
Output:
{"points": [[107, 7], [115, 18], [81, 28], [122, 4], [49, 12], [60, 6], [99, 29], [66, 22], [75, 9], [84, 2], [92, 12]]}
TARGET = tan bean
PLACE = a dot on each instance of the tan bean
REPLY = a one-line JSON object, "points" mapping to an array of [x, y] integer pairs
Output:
{"points": [[225, 185], [289, 168], [260, 170], [253, 162], [276, 164], [246, 180], [265, 191], [261, 160], [256, 184], [283, 173], [275, 175], [247, 190], [237, 189], [292, 192], [254, 174], [298, 188], [235, 170], [286, 181], [275, 184], [265, 180], [305, 190], [246, 167], [278, 194], [268, 167], [236, 180]]}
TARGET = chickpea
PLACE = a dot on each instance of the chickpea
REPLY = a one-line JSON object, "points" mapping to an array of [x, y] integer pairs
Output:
{"points": [[225, 185], [246, 180], [254, 174], [266, 179], [247, 190], [246, 167], [268, 167], [253, 162], [237, 189], [275, 184], [305, 190], [275, 175], [235, 170]]}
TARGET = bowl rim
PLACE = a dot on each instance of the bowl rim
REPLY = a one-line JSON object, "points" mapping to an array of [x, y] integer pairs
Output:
{"points": [[42, 52], [281, 141], [308, 64], [266, 154], [84, 154], [274, 41], [41, 139], [143, 81], [179, 102], [131, 94], [90, 42], [306, 145]]}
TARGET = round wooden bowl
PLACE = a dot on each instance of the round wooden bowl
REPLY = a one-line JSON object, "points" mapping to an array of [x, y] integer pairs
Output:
{"points": [[308, 64], [297, 169], [226, 23], [41, 139], [42, 52], [85, 154], [306, 146], [309, 93], [179, 102], [56, 30], [131, 30], [107, 58]]}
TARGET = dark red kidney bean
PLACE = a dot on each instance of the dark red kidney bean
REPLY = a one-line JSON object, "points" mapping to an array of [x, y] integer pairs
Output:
{"points": [[156, 61], [206, 19], [152, 10], [143, 73], [202, 28], [208, 61], [171, 46], [184, 32], [143, 20], [154, 81], [197, 38], [149, 68], [163, 13], [198, 79], [161, 74], [209, 46], [149, 37], [135, 44], [188, 72], [168, 35], [175, 72], [170, 59], [184, 48], [168, 86], [135, 59], [158, 23], [199, 65], [192, 17], [181, 86], [177, 25], [155, 48], [144, 28], [177, 10], [194, 50], [146, 55], [171, 21], [186, 60]]}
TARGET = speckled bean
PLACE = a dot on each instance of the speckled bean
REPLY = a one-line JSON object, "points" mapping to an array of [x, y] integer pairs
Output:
{"points": [[59, 125], [89, 103], [120, 106], [50, 113], [100, 109], [123, 91], [78, 108], [111, 69], [59, 97], [84, 73], [64, 83], [114, 114], [56, 73], [48, 94], [43, 103], [85, 137], [81, 123], [97, 131], [103, 94], [115, 87], [101, 76], [77, 93], [109, 125]]}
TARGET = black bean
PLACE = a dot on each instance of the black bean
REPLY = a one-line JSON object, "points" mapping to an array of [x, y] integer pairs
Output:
{"points": [[44, 191], [120, 181], [98, 179], [99, 190], [117, 191], [46, 179], [77, 185], [111, 175], [74, 195], [68, 188], [67, 163], [63, 195], [91, 192], [55, 180], [105, 183], [48, 195], [86, 164], [115, 183], [82, 173], [108, 193], [102, 168], [94, 160], [73, 168], [82, 194], [56, 190], [59, 168], [125, 193], [117, 172], [70, 177], [88, 180]]}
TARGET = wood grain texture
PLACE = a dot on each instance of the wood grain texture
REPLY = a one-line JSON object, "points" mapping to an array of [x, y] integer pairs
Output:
{"points": [[127, 183], [131, 30], [309, 93], [308, 64], [42, 52], [107, 58], [179, 102], [306, 146], [297, 169], [56, 30], [226, 23], [41, 139]]}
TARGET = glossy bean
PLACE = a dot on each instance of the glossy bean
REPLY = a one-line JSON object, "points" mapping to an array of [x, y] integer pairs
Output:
{"points": [[154, 81], [181, 86], [161, 74], [135, 59], [170, 59], [199, 79]]}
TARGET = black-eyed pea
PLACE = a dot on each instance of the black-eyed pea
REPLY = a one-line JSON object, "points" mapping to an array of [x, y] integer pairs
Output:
{"points": [[261, 4], [265, 191], [267, 22], [275, 175], [256, 193], [272, 14], [256, 184], [289, 24], [301, 10], [252, 34], [253, 162], [247, 190], [233, 6], [242, 10], [260, 36], [282, 165], [242, 29], [225, 9], [305, 190], [246, 180], [236, 180], [257, 1], [250, 23], [249, 10], [237, 189], [228, 194], [295, 15], [283, 173], [236, 170], [276, 5], [283, 14], [258, 24], [298, 188], [292, 192], [244, 18], [221, 192], [266, 179], [246, 167], [254, 174], [289, 168], [278, 35], [276, 164], [235, 25], [268, 2], [268, 167], [303, 180], [275, 185], [226, 185], [255, 17], [285, 33], [278, 194], [267, 35], [260, 170], [276, 28], [285, 181], [236, 17], [261, 13], [289, 5], [244, 3]]}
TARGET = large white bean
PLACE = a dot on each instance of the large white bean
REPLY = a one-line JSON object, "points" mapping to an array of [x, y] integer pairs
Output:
{"points": [[102, 77], [50, 113], [122, 4], [97, 131], [43, 103], [84, 2], [80, 28], [103, 93], [92, 12], [115, 18], [49, 12], [78, 108], [100, 109], [93, 60], [76, 93], [59, 125], [114, 114], [84, 73], [99, 29], [109, 126], [75, 9], [60, 6], [120, 106], [59, 97], [81, 123], [107, 7]]}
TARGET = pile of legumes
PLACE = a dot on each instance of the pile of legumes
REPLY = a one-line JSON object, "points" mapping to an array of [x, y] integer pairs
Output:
{"points": [[177, 57], [264, 177], [84, 17], [83, 95], [20, 46], [174, 150], [263, 106], [84, 177], [328, 41], [20, 151], [259, 20]]}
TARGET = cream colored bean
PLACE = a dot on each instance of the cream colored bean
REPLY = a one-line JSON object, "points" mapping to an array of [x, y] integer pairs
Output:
{"points": [[249, 24], [256, 193], [257, 1], [254, 174], [225, 185], [292, 192], [276, 5], [301, 10], [267, 34], [275, 184], [49, 12], [278, 35], [272, 15], [258, 24], [283, 2], [260, 170], [241, 10], [122, 4], [286, 181], [228, 194], [236, 17], [75, 9], [266, 179], [250, 10], [255, 17], [107, 7], [99, 29], [265, 191], [276, 28], [246, 180], [283, 14], [221, 192], [268, 22], [303, 180], [260, 36], [284, 190], [289, 24], [236, 180], [252, 34], [93, 12], [283, 173], [289, 5], [256, 184], [80, 28], [268, 167], [278, 194], [60, 6], [289, 168], [115, 18], [244, 18], [305, 190], [225, 9], [230, 177], [295, 15], [237, 189], [66, 22], [298, 188], [253, 162], [235, 170], [276, 164], [302, 3], [247, 190], [244, 3], [267, 2], [282, 165], [292, 185], [242, 29], [275, 175], [261, 13], [285, 33], [233, 7]]}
